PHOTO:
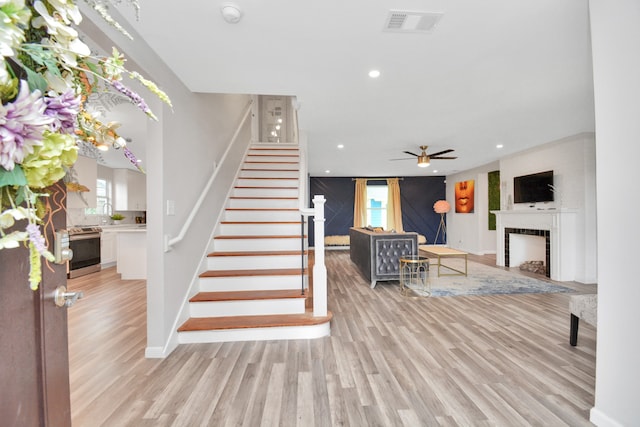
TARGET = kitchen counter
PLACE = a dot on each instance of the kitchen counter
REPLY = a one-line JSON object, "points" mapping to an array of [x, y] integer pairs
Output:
{"points": [[122, 227], [132, 253]]}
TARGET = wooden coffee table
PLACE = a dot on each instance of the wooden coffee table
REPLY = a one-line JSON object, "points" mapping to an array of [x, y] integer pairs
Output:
{"points": [[440, 252]]}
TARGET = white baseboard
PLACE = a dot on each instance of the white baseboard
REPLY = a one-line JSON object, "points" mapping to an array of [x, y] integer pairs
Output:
{"points": [[600, 419]]}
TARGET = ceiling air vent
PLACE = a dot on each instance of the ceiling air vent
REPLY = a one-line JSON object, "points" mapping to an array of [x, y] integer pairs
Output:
{"points": [[411, 22]]}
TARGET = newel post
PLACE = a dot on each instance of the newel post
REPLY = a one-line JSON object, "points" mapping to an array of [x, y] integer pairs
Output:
{"points": [[319, 269]]}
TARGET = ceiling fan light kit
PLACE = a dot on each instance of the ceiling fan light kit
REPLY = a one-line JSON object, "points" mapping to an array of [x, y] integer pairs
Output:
{"points": [[423, 161]]}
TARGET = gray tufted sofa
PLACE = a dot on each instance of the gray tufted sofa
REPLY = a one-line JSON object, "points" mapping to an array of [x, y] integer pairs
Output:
{"points": [[377, 254]]}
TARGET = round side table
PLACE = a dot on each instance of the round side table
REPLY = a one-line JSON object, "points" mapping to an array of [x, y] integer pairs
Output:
{"points": [[414, 274]]}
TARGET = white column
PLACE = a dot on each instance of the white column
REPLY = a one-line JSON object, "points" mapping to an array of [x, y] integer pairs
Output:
{"points": [[319, 269]]}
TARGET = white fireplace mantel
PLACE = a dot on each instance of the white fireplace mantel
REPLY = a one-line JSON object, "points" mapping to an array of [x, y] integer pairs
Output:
{"points": [[561, 224]]}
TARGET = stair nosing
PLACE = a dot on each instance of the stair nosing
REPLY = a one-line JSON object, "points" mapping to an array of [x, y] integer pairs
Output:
{"points": [[247, 322], [221, 296], [256, 253], [257, 272], [259, 236]]}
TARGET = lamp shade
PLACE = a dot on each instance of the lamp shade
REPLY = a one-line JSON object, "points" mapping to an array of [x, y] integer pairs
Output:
{"points": [[441, 206]]}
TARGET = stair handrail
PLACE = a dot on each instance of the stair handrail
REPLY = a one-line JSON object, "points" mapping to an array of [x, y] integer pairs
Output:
{"points": [[170, 242]]}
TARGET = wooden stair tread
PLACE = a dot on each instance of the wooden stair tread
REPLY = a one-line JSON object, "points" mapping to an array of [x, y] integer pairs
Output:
{"points": [[272, 163], [248, 295], [266, 187], [240, 237], [256, 253], [274, 149], [260, 222], [271, 170], [244, 322], [262, 198], [268, 177], [272, 155], [258, 272], [263, 209]]}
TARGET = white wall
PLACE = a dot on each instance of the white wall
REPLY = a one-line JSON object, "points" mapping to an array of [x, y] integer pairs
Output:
{"points": [[182, 149], [572, 160], [470, 231], [616, 67]]}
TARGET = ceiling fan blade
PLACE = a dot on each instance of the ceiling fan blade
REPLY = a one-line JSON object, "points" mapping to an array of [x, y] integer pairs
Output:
{"points": [[443, 158], [440, 152], [410, 153], [402, 159]]}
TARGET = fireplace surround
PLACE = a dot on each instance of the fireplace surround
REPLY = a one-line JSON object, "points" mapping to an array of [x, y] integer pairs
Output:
{"points": [[557, 226]]}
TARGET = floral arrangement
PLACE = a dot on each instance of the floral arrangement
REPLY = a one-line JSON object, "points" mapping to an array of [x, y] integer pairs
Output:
{"points": [[441, 207], [46, 76]]}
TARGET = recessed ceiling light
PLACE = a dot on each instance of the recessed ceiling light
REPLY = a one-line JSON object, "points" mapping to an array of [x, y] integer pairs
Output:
{"points": [[374, 74], [499, 146], [327, 171], [341, 146], [435, 171]]}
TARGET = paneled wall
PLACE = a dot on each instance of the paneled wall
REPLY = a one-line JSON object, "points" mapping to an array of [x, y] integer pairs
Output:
{"points": [[418, 194]]}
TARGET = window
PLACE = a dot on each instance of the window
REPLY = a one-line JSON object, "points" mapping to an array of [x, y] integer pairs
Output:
{"points": [[377, 205], [103, 199]]}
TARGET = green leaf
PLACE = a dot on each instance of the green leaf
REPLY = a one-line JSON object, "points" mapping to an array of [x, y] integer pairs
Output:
{"points": [[36, 81], [22, 194], [13, 177]]}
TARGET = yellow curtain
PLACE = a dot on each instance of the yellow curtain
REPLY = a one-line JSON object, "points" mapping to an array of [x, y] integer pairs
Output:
{"points": [[394, 211], [360, 203]]}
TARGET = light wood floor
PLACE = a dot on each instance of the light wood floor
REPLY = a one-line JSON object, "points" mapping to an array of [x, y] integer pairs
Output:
{"points": [[500, 360]]}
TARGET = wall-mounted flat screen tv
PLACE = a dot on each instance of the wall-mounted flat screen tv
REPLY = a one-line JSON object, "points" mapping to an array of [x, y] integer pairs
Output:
{"points": [[533, 188]]}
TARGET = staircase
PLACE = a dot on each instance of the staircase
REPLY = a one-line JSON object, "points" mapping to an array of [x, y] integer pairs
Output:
{"points": [[253, 286]]}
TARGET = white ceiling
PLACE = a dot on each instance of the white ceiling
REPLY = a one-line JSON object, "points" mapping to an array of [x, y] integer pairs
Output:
{"points": [[516, 73]]}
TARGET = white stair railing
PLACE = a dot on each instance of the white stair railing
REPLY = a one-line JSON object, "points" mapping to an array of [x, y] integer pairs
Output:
{"points": [[168, 241], [319, 267]]}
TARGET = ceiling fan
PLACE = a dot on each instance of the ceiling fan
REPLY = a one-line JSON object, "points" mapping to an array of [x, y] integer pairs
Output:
{"points": [[424, 159]]}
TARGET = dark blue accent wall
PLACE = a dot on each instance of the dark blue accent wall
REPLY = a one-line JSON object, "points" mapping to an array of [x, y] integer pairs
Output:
{"points": [[418, 194]]}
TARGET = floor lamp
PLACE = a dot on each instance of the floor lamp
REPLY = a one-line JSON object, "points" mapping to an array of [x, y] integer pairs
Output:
{"points": [[441, 207]]}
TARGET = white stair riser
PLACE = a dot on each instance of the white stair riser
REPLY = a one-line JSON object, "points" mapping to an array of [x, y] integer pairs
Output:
{"points": [[253, 262], [250, 283], [257, 164], [256, 334], [247, 308], [270, 174], [273, 158], [274, 152], [264, 229], [261, 215], [274, 244], [264, 203], [265, 192], [268, 182]]}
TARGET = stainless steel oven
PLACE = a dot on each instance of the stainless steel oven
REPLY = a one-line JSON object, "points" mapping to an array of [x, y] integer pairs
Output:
{"points": [[85, 244]]}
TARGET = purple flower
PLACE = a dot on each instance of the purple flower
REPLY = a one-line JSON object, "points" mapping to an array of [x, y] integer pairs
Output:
{"points": [[63, 109], [36, 238], [132, 158], [134, 97], [22, 123]]}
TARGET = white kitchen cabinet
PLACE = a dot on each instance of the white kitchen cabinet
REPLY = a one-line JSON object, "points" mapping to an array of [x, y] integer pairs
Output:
{"points": [[87, 175], [132, 254], [108, 249], [130, 190]]}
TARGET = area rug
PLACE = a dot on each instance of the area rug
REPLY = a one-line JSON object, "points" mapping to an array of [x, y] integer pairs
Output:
{"points": [[482, 280]]}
